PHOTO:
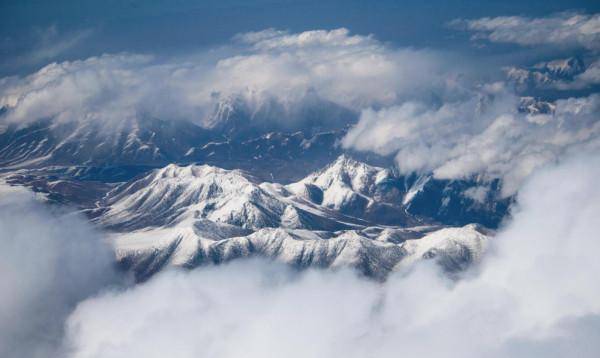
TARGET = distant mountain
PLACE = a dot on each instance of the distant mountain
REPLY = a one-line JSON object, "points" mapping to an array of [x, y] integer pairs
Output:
{"points": [[273, 156], [562, 68], [457, 202], [117, 152], [532, 105], [141, 142], [544, 75], [253, 113]]}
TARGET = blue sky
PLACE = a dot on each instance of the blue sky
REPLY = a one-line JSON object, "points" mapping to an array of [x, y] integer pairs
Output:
{"points": [[73, 29]]}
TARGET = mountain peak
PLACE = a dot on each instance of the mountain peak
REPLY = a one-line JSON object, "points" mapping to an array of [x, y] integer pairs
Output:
{"points": [[193, 171], [348, 172], [174, 194], [347, 160], [562, 67], [346, 185]]}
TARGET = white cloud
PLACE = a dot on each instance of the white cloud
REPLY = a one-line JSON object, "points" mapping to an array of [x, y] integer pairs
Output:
{"points": [[42, 46], [352, 71], [535, 295], [53, 43], [477, 193], [562, 29], [274, 39], [482, 135], [49, 260]]}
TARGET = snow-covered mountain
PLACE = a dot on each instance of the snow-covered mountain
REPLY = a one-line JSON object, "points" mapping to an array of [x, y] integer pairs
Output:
{"points": [[375, 252], [561, 68], [119, 151], [275, 194], [346, 192], [544, 74], [147, 141], [199, 214], [83, 151], [177, 195], [252, 113], [357, 189], [274, 156], [532, 105]]}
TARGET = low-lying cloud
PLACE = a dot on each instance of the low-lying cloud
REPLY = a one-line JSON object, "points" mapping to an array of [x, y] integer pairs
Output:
{"points": [[49, 261], [536, 294], [484, 135]]}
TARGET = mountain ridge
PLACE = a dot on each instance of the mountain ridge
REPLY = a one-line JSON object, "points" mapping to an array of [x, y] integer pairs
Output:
{"points": [[199, 214]]}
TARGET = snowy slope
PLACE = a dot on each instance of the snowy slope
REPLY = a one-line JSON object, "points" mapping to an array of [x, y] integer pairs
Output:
{"points": [[140, 141], [343, 183], [455, 248], [176, 195], [357, 189], [146, 252], [199, 214]]}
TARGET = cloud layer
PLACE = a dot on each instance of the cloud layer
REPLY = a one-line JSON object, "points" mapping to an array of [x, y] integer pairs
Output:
{"points": [[258, 69], [49, 261], [566, 30], [535, 295], [482, 135]]}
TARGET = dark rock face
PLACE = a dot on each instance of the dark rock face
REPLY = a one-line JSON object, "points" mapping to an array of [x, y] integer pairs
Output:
{"points": [[445, 201]]}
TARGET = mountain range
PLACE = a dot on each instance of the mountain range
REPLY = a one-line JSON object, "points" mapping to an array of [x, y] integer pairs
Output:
{"points": [[346, 214], [175, 193]]}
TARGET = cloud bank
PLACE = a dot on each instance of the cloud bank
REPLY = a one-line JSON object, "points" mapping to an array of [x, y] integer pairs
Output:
{"points": [[563, 29], [483, 135], [257, 69], [535, 295], [49, 261]]}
